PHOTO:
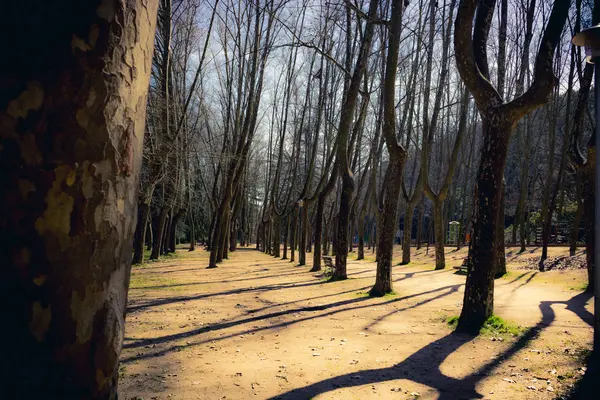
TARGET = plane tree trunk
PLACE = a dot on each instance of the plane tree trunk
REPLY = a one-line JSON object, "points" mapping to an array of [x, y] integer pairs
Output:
{"points": [[73, 113]]}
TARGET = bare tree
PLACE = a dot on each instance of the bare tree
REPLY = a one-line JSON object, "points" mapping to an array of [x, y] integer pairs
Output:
{"points": [[498, 120]]}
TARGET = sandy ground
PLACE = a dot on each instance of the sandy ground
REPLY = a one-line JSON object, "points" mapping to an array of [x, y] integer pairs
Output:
{"points": [[260, 328]]}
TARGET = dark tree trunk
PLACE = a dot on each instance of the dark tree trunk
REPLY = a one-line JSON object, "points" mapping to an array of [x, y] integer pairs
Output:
{"points": [[419, 225], [293, 238], [499, 247], [140, 232], [341, 237], [165, 237], [318, 234], [498, 119], [406, 240], [73, 114], [192, 231], [149, 233], [161, 222], [574, 237], [286, 229], [589, 210], [173, 231], [478, 303], [361, 235], [303, 210], [276, 236], [438, 222], [387, 228]]}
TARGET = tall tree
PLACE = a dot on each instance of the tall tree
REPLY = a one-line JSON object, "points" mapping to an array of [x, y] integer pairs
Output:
{"points": [[498, 119], [72, 105], [343, 165]]}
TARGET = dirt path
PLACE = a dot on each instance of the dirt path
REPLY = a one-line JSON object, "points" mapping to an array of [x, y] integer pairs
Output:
{"points": [[258, 327]]}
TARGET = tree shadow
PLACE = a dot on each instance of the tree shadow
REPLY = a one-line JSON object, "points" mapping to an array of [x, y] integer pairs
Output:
{"points": [[423, 366], [520, 285], [223, 281], [141, 342], [178, 299], [518, 278], [449, 291]]}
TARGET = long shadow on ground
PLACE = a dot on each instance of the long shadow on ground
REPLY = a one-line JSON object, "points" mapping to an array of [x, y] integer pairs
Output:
{"points": [[228, 324], [424, 366]]}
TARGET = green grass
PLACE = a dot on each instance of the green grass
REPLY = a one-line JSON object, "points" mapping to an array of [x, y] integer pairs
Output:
{"points": [[145, 281], [582, 287], [494, 326], [164, 257]]}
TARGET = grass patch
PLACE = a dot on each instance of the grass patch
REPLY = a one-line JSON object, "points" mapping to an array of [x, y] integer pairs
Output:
{"points": [[146, 259], [366, 294], [144, 281], [582, 287], [494, 326]]}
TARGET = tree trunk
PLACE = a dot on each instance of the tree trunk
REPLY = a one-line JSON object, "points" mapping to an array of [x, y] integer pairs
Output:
{"points": [[303, 210], [149, 232], [164, 249], [574, 237], [293, 238], [478, 303], [419, 225], [276, 236], [286, 228], [159, 234], [589, 209], [73, 114], [499, 249], [408, 219], [361, 233], [438, 223], [140, 232], [173, 231], [341, 237], [387, 229], [319, 234], [192, 231]]}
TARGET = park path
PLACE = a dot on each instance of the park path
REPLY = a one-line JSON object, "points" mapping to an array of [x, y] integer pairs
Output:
{"points": [[259, 327]]}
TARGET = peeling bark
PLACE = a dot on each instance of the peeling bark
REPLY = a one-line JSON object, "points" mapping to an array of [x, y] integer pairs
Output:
{"points": [[72, 112]]}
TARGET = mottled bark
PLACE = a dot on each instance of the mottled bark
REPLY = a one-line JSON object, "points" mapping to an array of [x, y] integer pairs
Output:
{"points": [[72, 111]]}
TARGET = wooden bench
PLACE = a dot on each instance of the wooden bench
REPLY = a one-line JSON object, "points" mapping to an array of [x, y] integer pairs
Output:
{"points": [[328, 261], [462, 269]]}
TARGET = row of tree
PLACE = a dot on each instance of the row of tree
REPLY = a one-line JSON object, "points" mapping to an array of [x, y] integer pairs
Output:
{"points": [[333, 123], [296, 124]]}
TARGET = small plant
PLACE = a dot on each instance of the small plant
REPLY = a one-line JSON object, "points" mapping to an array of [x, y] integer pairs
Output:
{"points": [[497, 326], [452, 321]]}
